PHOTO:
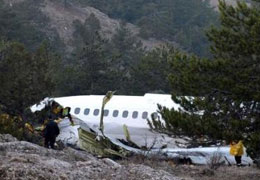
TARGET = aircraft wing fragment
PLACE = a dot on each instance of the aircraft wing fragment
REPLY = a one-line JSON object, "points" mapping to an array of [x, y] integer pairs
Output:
{"points": [[99, 145]]}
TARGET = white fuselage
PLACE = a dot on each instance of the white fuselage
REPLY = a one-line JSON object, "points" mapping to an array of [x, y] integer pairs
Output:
{"points": [[132, 111]]}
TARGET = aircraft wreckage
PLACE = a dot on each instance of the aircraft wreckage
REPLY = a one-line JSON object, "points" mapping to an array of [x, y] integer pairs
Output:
{"points": [[119, 128]]}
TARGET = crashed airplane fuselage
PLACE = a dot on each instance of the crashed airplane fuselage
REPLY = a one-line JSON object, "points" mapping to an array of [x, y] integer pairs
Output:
{"points": [[131, 112]]}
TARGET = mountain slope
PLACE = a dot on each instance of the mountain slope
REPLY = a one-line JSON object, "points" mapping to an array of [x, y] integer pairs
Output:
{"points": [[61, 19], [215, 3]]}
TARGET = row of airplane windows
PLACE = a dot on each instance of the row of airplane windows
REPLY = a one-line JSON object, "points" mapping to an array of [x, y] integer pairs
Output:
{"points": [[115, 113]]}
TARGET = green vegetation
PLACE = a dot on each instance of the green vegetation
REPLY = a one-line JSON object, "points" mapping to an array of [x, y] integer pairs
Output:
{"points": [[25, 23], [150, 74], [226, 89], [180, 21], [25, 79], [99, 65], [96, 64]]}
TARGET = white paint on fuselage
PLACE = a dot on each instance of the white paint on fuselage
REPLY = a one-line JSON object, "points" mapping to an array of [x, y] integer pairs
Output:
{"points": [[113, 125], [141, 104]]}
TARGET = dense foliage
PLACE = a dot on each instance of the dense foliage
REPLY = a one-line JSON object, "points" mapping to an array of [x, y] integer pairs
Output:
{"points": [[25, 79], [150, 74], [222, 96], [24, 22], [98, 64], [180, 21]]}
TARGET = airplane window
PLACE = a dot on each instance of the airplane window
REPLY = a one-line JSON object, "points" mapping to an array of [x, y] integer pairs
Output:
{"points": [[86, 111], [96, 112], [125, 114], [106, 112], [154, 115], [115, 113], [135, 114], [144, 115], [77, 110]]}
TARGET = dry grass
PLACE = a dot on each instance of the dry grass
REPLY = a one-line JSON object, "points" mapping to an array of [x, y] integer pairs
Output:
{"points": [[198, 172], [215, 161]]}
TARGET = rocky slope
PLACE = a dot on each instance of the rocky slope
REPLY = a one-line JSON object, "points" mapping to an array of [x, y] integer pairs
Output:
{"points": [[62, 17], [24, 160], [215, 3]]}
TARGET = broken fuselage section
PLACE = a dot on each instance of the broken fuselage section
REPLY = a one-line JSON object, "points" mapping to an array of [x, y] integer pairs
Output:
{"points": [[126, 130]]}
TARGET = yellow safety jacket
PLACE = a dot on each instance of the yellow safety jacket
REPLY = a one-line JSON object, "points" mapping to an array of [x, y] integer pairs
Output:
{"points": [[237, 149]]}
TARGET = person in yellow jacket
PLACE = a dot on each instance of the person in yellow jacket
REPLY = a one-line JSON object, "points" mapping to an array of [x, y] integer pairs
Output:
{"points": [[237, 150]]}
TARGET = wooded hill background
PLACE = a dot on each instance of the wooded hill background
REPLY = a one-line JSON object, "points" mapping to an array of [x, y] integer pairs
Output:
{"points": [[182, 47], [118, 34]]}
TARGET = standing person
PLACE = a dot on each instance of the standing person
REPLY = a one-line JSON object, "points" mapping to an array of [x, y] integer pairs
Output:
{"points": [[51, 131], [237, 150]]}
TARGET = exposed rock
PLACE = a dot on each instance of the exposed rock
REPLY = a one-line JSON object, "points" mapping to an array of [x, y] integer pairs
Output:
{"points": [[111, 163], [215, 3], [23, 160], [7, 138], [145, 172], [62, 17]]}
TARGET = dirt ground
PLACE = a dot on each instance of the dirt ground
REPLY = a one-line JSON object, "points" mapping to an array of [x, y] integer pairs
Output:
{"points": [[223, 173], [202, 172]]}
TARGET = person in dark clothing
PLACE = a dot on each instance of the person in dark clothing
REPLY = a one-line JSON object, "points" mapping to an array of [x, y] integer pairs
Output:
{"points": [[51, 131]]}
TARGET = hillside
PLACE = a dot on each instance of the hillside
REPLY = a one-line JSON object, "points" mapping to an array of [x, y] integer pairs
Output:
{"points": [[153, 23], [183, 22], [102, 45], [214, 3], [61, 19]]}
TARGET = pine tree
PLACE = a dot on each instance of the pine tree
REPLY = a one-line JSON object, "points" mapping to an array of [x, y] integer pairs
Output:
{"points": [[221, 97], [24, 77], [150, 73], [86, 73], [126, 50]]}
